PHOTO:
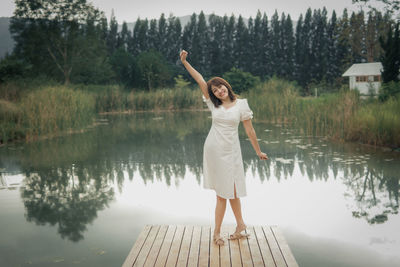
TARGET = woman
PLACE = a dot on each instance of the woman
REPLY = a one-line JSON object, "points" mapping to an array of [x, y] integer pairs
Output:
{"points": [[222, 158]]}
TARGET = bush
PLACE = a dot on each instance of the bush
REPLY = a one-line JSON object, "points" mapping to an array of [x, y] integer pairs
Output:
{"points": [[241, 81], [390, 89]]}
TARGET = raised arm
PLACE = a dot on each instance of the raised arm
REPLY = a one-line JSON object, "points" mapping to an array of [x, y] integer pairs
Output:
{"points": [[195, 74]]}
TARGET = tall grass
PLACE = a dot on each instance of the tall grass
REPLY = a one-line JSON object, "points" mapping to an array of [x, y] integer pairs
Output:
{"points": [[339, 116], [377, 124], [55, 109], [274, 101], [45, 111], [165, 99]]}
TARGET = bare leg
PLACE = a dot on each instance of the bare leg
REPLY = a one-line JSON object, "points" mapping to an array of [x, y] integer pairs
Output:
{"points": [[219, 214], [237, 211]]}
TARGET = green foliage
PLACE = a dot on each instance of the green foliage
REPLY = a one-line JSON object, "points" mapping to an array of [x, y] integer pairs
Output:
{"points": [[47, 111], [241, 81], [56, 36], [180, 82], [387, 90], [377, 123], [56, 109], [391, 57], [11, 68], [125, 67], [154, 71]]}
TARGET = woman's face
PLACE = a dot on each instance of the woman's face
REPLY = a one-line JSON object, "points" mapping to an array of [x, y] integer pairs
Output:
{"points": [[220, 91]]}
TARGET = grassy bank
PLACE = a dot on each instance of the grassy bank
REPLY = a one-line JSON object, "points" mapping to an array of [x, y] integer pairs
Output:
{"points": [[30, 113], [340, 116], [49, 110]]}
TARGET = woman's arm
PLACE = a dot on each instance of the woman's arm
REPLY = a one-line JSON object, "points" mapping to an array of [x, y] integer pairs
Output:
{"points": [[194, 73], [248, 126]]}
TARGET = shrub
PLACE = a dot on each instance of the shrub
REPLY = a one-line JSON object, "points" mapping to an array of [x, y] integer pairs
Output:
{"points": [[241, 81]]}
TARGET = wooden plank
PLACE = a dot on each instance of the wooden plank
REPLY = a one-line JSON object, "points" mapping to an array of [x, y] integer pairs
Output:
{"points": [[195, 247], [204, 246], [254, 248], [166, 246], [225, 257], [176, 245], [285, 249], [245, 252], [130, 260], [276, 252], [234, 249], [185, 247], [144, 252], [155, 249], [264, 247], [214, 251]]}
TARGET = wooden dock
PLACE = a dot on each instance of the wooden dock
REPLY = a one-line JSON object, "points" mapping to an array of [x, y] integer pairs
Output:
{"points": [[171, 245]]}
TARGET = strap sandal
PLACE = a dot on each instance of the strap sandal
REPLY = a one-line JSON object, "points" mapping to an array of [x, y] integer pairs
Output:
{"points": [[218, 240], [237, 235]]}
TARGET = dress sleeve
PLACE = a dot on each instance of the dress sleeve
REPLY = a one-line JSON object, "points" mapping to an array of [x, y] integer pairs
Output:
{"points": [[209, 103], [245, 111]]}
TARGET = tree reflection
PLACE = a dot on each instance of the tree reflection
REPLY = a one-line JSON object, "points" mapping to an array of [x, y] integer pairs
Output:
{"points": [[68, 198]]}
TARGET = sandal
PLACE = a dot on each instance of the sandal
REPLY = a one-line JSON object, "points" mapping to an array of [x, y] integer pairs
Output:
{"points": [[238, 234], [218, 240]]}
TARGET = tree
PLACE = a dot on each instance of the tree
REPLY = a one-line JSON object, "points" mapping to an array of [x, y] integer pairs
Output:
{"points": [[391, 57], [391, 6], [123, 36], [53, 29], [112, 37], [241, 81], [153, 69]]}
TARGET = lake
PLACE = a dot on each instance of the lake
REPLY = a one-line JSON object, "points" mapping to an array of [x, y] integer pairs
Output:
{"points": [[82, 199]]}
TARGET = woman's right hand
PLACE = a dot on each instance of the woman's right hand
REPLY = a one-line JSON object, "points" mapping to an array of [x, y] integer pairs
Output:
{"points": [[183, 55]]}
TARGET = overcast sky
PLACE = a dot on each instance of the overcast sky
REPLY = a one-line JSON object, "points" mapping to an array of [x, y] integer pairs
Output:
{"points": [[130, 10]]}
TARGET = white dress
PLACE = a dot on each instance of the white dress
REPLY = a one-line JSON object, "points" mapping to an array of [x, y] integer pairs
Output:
{"points": [[222, 157]]}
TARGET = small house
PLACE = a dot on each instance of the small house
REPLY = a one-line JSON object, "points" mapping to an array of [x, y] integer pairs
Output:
{"points": [[365, 77]]}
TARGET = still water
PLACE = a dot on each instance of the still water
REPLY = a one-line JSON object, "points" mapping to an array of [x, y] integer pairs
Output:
{"points": [[81, 200]]}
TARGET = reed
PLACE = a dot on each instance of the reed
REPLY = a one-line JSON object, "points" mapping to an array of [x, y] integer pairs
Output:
{"points": [[56, 109], [377, 124]]}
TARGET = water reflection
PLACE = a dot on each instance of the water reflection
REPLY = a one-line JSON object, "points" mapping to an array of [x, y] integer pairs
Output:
{"points": [[68, 180]]}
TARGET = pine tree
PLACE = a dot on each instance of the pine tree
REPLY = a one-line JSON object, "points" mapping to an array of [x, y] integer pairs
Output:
{"points": [[343, 46], [216, 32], [112, 36], [357, 37], [319, 53], [391, 57], [240, 44], [123, 36], [257, 46], [265, 52], [162, 35], [152, 36], [333, 66], [287, 47], [228, 59], [275, 49], [174, 32], [200, 45]]}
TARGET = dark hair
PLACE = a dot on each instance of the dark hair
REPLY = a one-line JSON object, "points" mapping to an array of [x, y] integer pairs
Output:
{"points": [[217, 81]]}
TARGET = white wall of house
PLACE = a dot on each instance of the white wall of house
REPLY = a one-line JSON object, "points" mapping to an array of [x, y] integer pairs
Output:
{"points": [[364, 87]]}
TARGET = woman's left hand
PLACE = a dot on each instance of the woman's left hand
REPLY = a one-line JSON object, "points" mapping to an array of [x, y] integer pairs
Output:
{"points": [[262, 155]]}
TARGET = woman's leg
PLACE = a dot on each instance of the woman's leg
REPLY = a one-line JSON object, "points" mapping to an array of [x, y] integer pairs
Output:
{"points": [[237, 211], [219, 214]]}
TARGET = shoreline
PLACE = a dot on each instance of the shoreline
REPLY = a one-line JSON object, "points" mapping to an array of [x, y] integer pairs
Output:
{"points": [[127, 112]]}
